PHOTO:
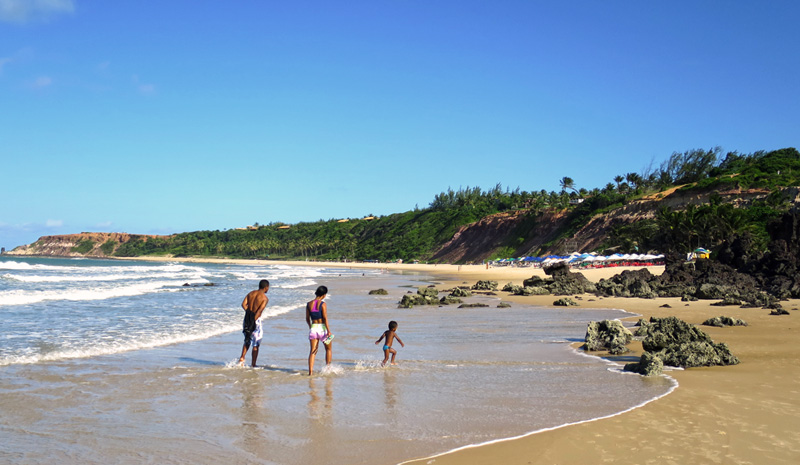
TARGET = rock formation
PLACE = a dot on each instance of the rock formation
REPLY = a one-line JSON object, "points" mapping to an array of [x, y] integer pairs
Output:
{"points": [[79, 245], [721, 321], [424, 296], [680, 344], [610, 335]]}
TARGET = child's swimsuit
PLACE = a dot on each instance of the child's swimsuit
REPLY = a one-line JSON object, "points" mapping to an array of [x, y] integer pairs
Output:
{"points": [[386, 347]]}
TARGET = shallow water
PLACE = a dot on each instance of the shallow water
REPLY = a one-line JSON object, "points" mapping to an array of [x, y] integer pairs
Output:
{"points": [[465, 376]]}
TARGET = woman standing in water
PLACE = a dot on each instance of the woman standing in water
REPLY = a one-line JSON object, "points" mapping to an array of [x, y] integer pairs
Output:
{"points": [[319, 330]]}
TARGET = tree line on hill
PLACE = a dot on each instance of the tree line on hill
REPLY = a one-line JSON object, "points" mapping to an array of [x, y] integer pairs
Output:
{"points": [[416, 234]]}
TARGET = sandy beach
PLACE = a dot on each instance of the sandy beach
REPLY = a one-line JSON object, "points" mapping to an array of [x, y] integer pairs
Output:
{"points": [[743, 414]]}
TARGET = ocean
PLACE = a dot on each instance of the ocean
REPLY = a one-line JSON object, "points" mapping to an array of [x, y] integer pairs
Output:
{"points": [[134, 362]]}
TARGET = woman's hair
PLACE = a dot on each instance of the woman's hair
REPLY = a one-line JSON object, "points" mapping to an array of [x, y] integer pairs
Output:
{"points": [[321, 291], [392, 325]]}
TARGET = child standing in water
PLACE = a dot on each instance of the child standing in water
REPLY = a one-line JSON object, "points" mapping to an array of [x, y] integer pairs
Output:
{"points": [[390, 336]]}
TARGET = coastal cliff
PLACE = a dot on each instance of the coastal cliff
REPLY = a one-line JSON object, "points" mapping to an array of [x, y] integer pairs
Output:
{"points": [[85, 244], [520, 234], [513, 233]]}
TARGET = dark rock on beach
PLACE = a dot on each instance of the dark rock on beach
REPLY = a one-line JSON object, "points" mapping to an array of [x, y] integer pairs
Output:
{"points": [[610, 335], [721, 321], [680, 344], [728, 300], [778, 270], [533, 290], [565, 302], [648, 365], [561, 282], [703, 279], [629, 283], [485, 286], [758, 280], [473, 305], [460, 292], [512, 288], [424, 296], [450, 300], [378, 292]]}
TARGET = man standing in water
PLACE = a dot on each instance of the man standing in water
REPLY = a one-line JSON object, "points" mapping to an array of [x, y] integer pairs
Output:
{"points": [[253, 304]]}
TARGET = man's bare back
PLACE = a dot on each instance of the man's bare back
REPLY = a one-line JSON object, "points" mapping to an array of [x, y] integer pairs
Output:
{"points": [[256, 302]]}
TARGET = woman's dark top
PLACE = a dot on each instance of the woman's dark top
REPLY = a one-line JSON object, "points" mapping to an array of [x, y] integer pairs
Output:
{"points": [[316, 310]]}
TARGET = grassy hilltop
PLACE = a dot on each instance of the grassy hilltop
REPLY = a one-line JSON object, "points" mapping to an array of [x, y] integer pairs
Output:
{"points": [[695, 198]]}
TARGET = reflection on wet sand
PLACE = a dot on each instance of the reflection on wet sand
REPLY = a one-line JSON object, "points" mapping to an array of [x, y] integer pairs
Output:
{"points": [[321, 431], [320, 412], [390, 392], [254, 413]]}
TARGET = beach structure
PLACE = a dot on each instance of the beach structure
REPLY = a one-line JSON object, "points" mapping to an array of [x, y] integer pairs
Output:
{"points": [[584, 260], [698, 253]]}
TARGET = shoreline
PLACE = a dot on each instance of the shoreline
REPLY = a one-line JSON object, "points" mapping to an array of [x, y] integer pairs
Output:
{"points": [[746, 413], [742, 414], [440, 271]]}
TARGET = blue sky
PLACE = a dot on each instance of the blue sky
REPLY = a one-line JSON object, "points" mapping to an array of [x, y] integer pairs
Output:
{"points": [[160, 117]]}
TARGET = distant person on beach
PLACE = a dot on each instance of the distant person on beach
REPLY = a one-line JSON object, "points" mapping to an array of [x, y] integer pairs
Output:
{"points": [[390, 335], [254, 304], [318, 328]]}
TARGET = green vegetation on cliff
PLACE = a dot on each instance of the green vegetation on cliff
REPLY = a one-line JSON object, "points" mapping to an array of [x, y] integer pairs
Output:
{"points": [[417, 234], [83, 247]]}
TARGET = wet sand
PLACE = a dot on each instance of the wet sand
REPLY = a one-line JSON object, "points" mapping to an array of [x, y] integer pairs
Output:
{"points": [[743, 414]]}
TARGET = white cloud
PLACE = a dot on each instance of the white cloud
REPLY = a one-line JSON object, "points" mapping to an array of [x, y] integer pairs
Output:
{"points": [[23, 11], [41, 82], [104, 225], [143, 88], [54, 223]]}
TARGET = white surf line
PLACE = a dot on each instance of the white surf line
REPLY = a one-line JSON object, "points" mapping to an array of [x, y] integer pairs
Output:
{"points": [[675, 385]]}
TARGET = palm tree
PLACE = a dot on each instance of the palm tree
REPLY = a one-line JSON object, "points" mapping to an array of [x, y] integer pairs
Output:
{"points": [[633, 179], [567, 183], [618, 179]]}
